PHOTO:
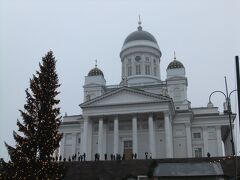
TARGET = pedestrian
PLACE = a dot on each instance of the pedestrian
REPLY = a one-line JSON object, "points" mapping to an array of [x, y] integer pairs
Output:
{"points": [[135, 155], [150, 156], [95, 156], [208, 155], [78, 156], [60, 158], [81, 157], [114, 157], [132, 155], [123, 158], [111, 157], [64, 159], [146, 155], [84, 156], [105, 156]]}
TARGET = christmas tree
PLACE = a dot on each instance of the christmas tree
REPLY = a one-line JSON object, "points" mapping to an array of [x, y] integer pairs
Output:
{"points": [[38, 136]]}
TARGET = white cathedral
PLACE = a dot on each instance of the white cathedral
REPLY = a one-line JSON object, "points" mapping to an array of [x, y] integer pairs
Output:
{"points": [[143, 113]]}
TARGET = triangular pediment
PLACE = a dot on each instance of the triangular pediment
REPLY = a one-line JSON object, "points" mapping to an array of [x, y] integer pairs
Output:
{"points": [[125, 95]]}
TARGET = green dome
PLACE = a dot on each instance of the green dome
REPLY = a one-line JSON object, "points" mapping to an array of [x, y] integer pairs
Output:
{"points": [[175, 65], [95, 72]]}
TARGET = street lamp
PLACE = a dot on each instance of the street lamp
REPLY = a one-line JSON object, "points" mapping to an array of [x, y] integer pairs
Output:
{"points": [[229, 111]]}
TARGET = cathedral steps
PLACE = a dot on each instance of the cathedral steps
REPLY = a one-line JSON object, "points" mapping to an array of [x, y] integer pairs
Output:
{"points": [[115, 170]]}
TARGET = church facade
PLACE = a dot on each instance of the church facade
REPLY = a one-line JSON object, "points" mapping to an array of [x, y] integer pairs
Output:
{"points": [[143, 114]]}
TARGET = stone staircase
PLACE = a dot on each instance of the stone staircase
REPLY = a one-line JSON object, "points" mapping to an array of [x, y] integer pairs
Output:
{"points": [[118, 170]]}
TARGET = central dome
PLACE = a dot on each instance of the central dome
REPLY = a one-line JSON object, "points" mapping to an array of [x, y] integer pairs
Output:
{"points": [[140, 35], [140, 38]]}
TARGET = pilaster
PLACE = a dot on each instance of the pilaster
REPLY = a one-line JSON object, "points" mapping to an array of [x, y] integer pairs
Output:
{"points": [[116, 135], [168, 136], [189, 140], [219, 141], [100, 138], [205, 141], [134, 134], [152, 147]]}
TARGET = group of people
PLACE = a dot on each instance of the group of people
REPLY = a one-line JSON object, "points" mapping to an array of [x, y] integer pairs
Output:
{"points": [[146, 155], [79, 157], [114, 157], [74, 157]]}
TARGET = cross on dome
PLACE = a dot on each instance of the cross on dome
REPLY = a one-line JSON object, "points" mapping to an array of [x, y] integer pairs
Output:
{"points": [[139, 23], [95, 62]]}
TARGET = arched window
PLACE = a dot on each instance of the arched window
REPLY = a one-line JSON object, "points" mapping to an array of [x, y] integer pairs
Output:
{"points": [[147, 69], [129, 70], [138, 69]]}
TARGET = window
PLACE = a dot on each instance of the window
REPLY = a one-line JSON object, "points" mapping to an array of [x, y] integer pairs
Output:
{"points": [[197, 135], [197, 152], [128, 144], [155, 71], [110, 126], [147, 69], [125, 125], [147, 59], [137, 58], [78, 138], [68, 139], [154, 61], [129, 70], [138, 69], [95, 126], [129, 60], [144, 124]]}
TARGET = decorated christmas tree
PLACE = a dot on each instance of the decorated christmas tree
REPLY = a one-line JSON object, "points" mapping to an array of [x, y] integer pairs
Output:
{"points": [[38, 135]]}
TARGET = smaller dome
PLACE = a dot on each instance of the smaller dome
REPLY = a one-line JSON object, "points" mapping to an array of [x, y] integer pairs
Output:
{"points": [[175, 65], [95, 72]]}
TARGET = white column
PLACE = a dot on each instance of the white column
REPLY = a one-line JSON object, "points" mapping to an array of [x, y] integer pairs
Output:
{"points": [[85, 134], [168, 136], [89, 141], [74, 135], [104, 141], [205, 141], [62, 146], [151, 135], [116, 136], [189, 140], [134, 134], [219, 141], [100, 138]]}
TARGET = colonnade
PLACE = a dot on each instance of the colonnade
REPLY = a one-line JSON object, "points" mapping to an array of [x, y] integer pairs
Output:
{"points": [[151, 135], [168, 130]]}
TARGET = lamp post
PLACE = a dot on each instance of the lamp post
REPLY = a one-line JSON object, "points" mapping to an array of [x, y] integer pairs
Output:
{"points": [[229, 111]]}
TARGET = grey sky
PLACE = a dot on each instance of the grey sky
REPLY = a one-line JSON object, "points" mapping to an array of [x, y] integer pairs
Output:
{"points": [[204, 34]]}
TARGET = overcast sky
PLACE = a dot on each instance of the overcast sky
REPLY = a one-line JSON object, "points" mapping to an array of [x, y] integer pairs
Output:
{"points": [[204, 34]]}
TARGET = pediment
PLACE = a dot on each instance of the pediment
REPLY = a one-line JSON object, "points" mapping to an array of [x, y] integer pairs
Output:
{"points": [[125, 95]]}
